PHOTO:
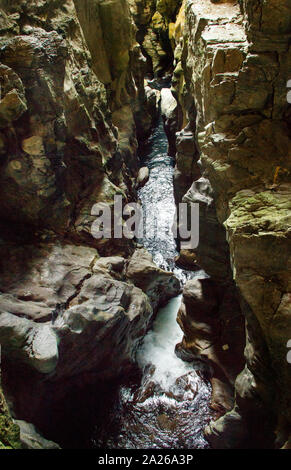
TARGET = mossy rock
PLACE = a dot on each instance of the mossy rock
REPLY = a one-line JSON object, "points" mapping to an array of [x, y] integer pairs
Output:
{"points": [[9, 431]]}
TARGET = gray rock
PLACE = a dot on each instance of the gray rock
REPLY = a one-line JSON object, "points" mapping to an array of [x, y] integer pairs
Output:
{"points": [[34, 344], [158, 284], [30, 438], [169, 110], [142, 177]]}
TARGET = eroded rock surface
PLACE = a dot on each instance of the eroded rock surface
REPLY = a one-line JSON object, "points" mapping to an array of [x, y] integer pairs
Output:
{"points": [[232, 67], [68, 316], [31, 439], [73, 105]]}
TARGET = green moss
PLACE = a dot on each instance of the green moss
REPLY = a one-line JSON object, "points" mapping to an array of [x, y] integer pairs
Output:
{"points": [[9, 431]]}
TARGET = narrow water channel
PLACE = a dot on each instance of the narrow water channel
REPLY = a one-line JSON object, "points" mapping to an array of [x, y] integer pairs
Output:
{"points": [[167, 406]]}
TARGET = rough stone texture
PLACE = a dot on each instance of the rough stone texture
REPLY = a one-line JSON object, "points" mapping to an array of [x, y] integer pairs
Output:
{"points": [[72, 93], [235, 61], [170, 114], [212, 323], [69, 317], [73, 105], [31, 439], [39, 280], [143, 176]]}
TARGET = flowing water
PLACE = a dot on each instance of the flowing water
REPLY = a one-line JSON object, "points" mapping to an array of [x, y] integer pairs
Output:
{"points": [[167, 405]]}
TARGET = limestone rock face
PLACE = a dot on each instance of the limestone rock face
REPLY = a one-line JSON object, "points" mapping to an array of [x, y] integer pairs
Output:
{"points": [[73, 105], [212, 323], [235, 61], [154, 21], [41, 279]]}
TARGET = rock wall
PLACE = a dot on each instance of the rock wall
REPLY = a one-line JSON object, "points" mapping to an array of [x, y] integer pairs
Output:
{"points": [[72, 87], [231, 74], [73, 105]]}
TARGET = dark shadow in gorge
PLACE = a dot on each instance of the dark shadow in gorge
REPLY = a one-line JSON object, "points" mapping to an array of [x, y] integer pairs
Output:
{"points": [[76, 411]]}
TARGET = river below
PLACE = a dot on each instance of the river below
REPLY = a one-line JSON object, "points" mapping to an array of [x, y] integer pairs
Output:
{"points": [[166, 406]]}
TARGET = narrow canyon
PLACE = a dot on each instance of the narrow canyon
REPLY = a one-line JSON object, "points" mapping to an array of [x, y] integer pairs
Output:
{"points": [[141, 340]]}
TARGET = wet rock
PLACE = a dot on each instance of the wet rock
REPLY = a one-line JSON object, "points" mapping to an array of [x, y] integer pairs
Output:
{"points": [[205, 310], [148, 390], [153, 98], [238, 117], [146, 118], [212, 252], [93, 338], [187, 260], [67, 314], [114, 266], [106, 314], [142, 177], [170, 114], [158, 284], [185, 387], [9, 431], [186, 157], [28, 342], [39, 279], [30, 438], [230, 428], [166, 423]]}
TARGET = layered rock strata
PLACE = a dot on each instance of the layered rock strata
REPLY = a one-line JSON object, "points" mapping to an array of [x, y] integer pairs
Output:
{"points": [[231, 82], [73, 106]]}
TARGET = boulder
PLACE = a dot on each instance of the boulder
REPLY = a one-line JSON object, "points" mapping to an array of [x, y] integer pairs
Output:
{"points": [[142, 177], [36, 345], [205, 310], [231, 82], [169, 111], [158, 284]]}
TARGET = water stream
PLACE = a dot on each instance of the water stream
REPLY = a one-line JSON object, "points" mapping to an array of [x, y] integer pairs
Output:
{"points": [[167, 406]]}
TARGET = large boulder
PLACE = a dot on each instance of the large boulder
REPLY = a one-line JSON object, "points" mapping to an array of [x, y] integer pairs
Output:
{"points": [[38, 281], [30, 438], [170, 114], [158, 284], [69, 318]]}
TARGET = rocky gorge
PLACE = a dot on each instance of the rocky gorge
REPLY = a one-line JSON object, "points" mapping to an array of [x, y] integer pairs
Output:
{"points": [[80, 97]]}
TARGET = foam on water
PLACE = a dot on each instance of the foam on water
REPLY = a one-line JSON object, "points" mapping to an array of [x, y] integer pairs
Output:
{"points": [[158, 347]]}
